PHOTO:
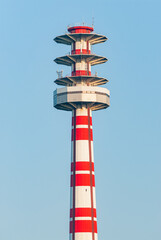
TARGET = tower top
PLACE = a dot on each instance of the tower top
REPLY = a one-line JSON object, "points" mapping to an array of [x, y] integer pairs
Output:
{"points": [[81, 86], [80, 29]]}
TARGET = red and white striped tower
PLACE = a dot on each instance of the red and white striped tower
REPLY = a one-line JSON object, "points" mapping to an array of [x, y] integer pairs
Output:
{"points": [[81, 95]]}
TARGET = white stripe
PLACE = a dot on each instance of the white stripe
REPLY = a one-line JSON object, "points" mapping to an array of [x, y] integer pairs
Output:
{"points": [[83, 218], [83, 172], [82, 112], [82, 150], [83, 197], [92, 153], [82, 236], [96, 236], [94, 197], [82, 126]]}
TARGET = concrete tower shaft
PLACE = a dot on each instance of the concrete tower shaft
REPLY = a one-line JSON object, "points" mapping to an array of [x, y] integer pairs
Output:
{"points": [[83, 219], [81, 95]]}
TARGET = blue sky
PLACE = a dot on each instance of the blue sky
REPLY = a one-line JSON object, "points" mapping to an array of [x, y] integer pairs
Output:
{"points": [[35, 137]]}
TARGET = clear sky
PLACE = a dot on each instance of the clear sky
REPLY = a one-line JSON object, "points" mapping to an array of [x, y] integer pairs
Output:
{"points": [[35, 137]]}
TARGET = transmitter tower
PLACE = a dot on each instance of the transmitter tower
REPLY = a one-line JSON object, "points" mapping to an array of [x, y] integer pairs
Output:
{"points": [[81, 95]]}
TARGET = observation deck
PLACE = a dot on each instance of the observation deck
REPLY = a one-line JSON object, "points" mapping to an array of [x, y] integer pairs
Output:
{"points": [[69, 98]]}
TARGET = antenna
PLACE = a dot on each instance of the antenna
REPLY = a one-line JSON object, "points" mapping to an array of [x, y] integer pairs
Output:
{"points": [[60, 73], [93, 22]]}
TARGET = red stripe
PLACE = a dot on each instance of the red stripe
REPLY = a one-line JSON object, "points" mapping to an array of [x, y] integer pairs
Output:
{"points": [[80, 29], [82, 180], [78, 51], [81, 120], [82, 166], [83, 226], [83, 212], [82, 134], [81, 72]]}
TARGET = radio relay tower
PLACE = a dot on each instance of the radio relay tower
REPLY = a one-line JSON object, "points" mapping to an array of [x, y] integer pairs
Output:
{"points": [[81, 95]]}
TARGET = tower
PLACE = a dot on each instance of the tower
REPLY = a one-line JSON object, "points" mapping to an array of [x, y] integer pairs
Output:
{"points": [[81, 95]]}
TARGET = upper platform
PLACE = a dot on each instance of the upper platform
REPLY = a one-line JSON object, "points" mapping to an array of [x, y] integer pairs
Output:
{"points": [[78, 32], [73, 58]]}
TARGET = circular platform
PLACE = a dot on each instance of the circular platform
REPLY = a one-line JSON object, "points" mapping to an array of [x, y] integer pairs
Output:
{"points": [[92, 80], [68, 60], [69, 98], [92, 38]]}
